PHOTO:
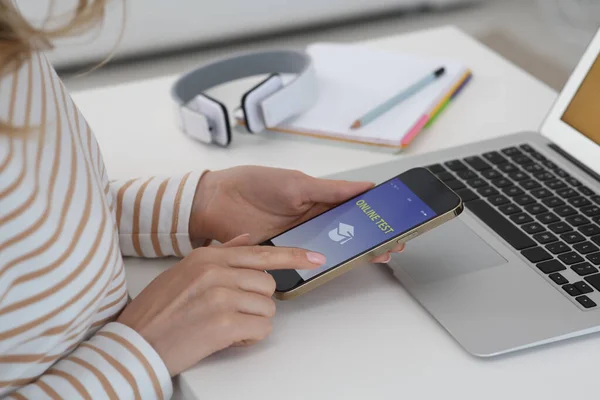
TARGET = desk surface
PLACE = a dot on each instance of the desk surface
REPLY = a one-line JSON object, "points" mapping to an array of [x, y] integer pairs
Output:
{"points": [[363, 337]]}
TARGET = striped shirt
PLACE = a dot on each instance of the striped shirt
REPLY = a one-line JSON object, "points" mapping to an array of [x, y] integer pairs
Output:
{"points": [[64, 228]]}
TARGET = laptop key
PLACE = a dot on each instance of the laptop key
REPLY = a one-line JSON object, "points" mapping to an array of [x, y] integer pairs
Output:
{"points": [[586, 191], [508, 168], [586, 302], [585, 248], [537, 156], [594, 258], [477, 163], [533, 228], [455, 185], [521, 218], [533, 168], [524, 200], [583, 287], [530, 185], [502, 182], [476, 183], [570, 258], [596, 199], [572, 237], [522, 160], [536, 255], [558, 279], [553, 202], [495, 158], [436, 169], [499, 224], [591, 211], [573, 182], [513, 191], [536, 209], [550, 164], [589, 230], [541, 193], [445, 176], [596, 239], [562, 173], [455, 165], [566, 193], [560, 247], [559, 227], [585, 268], [511, 151], [509, 209], [491, 174], [466, 195], [526, 148], [556, 184], [565, 211], [498, 200], [577, 220], [572, 290], [547, 218], [579, 201], [545, 238], [487, 191], [518, 176], [544, 176], [466, 174], [593, 280]]}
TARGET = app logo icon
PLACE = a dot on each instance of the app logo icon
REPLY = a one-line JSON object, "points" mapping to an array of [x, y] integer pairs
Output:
{"points": [[342, 234]]}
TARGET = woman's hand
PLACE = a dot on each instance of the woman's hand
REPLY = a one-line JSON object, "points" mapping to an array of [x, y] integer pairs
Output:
{"points": [[264, 202], [214, 298]]}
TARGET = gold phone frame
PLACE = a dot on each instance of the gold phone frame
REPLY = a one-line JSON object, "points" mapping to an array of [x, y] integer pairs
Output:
{"points": [[381, 249]]}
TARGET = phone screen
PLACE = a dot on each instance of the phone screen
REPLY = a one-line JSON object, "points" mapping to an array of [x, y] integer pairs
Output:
{"points": [[358, 225]]}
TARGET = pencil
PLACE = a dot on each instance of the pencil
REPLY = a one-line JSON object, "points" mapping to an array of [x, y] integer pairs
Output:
{"points": [[400, 97]]}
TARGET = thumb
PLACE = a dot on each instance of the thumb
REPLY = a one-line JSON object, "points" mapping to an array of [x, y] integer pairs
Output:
{"points": [[330, 191], [238, 241]]}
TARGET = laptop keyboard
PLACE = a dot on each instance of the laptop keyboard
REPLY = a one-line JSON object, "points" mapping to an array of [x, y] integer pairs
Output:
{"points": [[550, 217]]}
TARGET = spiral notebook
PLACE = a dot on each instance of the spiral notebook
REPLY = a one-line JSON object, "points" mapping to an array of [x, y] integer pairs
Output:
{"points": [[353, 79]]}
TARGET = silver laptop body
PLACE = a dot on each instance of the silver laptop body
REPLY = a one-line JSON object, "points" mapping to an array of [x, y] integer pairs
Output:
{"points": [[472, 279]]}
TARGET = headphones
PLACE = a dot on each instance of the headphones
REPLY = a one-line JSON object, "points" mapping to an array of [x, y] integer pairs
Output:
{"points": [[265, 105]]}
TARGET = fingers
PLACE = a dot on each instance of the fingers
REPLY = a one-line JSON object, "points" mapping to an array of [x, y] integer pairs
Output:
{"points": [[247, 329], [241, 240], [271, 258], [387, 257], [333, 191], [224, 300], [255, 281]]}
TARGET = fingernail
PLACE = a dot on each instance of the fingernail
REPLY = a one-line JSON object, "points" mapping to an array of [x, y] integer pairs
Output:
{"points": [[401, 249], [388, 259], [316, 258]]}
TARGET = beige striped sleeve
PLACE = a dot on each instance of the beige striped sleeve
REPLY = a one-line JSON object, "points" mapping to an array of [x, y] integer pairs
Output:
{"points": [[116, 364], [153, 214]]}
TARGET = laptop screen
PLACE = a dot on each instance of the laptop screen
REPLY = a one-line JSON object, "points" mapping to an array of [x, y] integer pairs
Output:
{"points": [[583, 113]]}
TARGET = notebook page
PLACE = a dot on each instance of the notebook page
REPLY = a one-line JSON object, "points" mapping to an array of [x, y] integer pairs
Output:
{"points": [[353, 79]]}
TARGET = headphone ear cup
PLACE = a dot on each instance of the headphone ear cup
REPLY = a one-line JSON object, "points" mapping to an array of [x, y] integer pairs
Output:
{"points": [[217, 116], [251, 102]]}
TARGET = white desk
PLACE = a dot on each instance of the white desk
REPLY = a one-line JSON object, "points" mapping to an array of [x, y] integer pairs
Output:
{"points": [[362, 336]]}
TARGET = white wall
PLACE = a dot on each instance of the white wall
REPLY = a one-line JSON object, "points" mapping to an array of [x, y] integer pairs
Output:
{"points": [[164, 24]]}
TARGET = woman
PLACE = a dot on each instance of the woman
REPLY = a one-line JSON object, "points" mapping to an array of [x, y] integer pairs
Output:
{"points": [[67, 329]]}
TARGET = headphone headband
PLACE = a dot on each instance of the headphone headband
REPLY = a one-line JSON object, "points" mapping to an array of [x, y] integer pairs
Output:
{"points": [[266, 105]]}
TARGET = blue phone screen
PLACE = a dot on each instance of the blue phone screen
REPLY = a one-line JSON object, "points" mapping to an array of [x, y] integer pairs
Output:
{"points": [[358, 225]]}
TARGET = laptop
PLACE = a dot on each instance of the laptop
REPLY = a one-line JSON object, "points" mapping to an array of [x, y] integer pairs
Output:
{"points": [[521, 266]]}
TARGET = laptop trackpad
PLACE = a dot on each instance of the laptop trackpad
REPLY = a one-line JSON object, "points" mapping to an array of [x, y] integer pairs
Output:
{"points": [[447, 251]]}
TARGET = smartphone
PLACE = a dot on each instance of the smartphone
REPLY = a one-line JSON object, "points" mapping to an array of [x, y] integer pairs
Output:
{"points": [[366, 226]]}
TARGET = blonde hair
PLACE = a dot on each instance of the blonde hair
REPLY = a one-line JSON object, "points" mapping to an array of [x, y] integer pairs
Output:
{"points": [[19, 38]]}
